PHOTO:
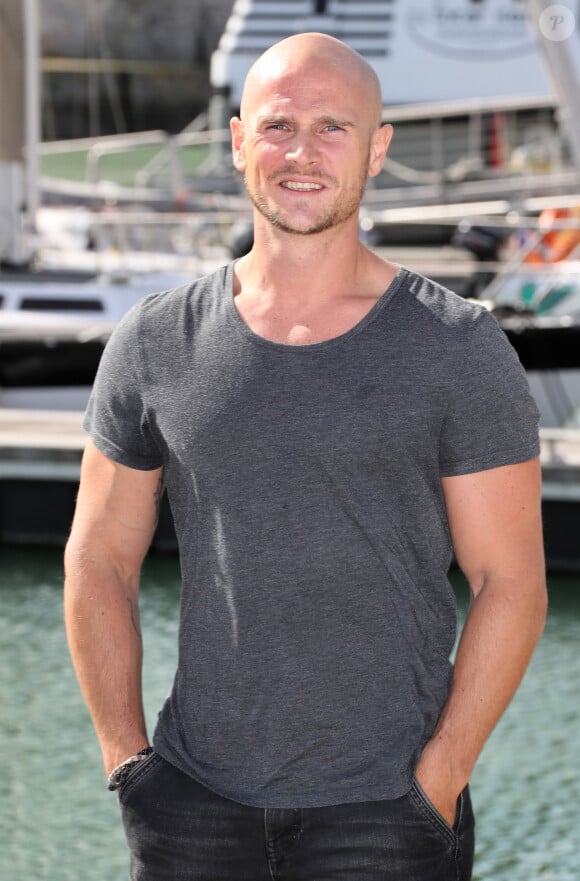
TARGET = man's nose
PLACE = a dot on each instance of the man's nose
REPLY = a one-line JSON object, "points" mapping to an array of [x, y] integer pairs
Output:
{"points": [[303, 149]]}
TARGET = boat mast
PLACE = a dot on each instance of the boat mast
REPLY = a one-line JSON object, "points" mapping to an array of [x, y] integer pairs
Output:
{"points": [[558, 38], [20, 127], [32, 84]]}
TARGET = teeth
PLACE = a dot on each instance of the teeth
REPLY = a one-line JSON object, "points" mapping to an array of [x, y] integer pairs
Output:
{"points": [[297, 185]]}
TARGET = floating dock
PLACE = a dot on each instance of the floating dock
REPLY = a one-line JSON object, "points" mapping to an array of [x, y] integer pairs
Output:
{"points": [[40, 456]]}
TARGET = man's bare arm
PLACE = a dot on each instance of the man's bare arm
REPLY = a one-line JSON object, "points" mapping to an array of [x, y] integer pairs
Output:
{"points": [[116, 514], [495, 523]]}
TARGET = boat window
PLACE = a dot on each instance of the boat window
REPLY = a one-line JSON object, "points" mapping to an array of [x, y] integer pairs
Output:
{"points": [[56, 304], [320, 7]]}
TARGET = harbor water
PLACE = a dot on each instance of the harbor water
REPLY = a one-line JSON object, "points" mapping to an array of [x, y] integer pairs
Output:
{"points": [[58, 822]]}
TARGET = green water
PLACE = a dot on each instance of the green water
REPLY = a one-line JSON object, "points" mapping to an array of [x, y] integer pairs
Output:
{"points": [[58, 822]]}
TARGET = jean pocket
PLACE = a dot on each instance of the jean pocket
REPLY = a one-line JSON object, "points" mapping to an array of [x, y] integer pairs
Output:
{"points": [[422, 801], [139, 772]]}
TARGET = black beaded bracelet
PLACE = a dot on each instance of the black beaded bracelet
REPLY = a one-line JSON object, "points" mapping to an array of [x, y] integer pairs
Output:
{"points": [[119, 774]]}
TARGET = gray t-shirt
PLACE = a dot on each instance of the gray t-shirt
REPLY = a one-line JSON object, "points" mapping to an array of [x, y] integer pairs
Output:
{"points": [[317, 619]]}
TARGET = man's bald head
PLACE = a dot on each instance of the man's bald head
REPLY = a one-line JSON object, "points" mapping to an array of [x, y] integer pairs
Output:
{"points": [[309, 134], [313, 52]]}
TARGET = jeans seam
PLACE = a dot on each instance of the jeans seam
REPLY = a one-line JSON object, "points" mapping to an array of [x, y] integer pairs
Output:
{"points": [[456, 828], [267, 845]]}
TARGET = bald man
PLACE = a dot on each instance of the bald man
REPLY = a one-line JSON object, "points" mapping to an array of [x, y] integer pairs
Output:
{"points": [[330, 428]]}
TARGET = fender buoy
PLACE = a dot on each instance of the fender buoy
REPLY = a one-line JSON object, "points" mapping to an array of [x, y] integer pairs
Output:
{"points": [[555, 244]]}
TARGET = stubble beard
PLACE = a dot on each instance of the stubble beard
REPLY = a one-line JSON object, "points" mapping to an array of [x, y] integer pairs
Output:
{"points": [[343, 209]]}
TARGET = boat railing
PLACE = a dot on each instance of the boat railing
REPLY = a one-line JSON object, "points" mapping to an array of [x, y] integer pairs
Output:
{"points": [[166, 157], [144, 237], [142, 166], [441, 152], [538, 276]]}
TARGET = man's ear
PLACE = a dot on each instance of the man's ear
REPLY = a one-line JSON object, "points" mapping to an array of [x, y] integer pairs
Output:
{"points": [[237, 130], [378, 149]]}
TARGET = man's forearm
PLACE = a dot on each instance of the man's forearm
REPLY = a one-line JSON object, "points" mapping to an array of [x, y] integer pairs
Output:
{"points": [[102, 623], [502, 628]]}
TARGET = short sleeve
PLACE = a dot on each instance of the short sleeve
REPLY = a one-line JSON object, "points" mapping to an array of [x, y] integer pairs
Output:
{"points": [[492, 418], [116, 417]]}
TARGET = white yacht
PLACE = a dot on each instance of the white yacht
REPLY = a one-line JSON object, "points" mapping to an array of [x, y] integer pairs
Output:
{"points": [[422, 50]]}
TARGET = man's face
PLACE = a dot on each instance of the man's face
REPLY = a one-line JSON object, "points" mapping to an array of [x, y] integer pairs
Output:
{"points": [[306, 148]]}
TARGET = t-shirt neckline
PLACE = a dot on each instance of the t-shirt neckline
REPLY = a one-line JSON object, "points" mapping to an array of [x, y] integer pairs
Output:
{"points": [[367, 319]]}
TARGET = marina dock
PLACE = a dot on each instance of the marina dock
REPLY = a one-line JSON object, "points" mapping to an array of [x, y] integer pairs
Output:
{"points": [[40, 459], [40, 456]]}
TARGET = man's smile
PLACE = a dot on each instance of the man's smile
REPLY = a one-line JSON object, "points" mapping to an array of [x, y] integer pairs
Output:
{"points": [[299, 185]]}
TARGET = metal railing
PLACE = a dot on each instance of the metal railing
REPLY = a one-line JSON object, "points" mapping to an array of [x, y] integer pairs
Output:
{"points": [[436, 145]]}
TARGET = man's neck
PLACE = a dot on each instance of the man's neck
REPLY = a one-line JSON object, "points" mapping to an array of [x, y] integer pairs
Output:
{"points": [[304, 267], [306, 289]]}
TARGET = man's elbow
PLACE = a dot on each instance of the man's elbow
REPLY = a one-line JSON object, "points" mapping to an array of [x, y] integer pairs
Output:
{"points": [[521, 589]]}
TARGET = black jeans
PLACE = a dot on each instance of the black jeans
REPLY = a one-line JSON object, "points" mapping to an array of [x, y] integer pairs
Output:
{"points": [[178, 830]]}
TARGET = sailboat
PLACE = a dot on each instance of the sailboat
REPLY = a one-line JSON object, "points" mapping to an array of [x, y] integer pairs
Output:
{"points": [[54, 321], [536, 295]]}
